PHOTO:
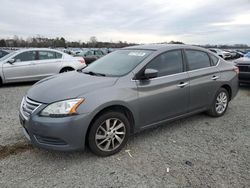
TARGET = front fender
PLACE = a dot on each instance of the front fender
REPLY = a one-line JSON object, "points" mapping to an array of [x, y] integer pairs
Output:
{"points": [[96, 101]]}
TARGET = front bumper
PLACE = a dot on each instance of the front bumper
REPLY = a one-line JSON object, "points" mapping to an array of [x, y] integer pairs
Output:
{"points": [[63, 134]]}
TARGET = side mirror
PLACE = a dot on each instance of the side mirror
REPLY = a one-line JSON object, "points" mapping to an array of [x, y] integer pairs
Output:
{"points": [[150, 73], [11, 61]]}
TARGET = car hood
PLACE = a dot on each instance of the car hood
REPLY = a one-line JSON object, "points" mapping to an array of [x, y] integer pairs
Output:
{"points": [[67, 86]]}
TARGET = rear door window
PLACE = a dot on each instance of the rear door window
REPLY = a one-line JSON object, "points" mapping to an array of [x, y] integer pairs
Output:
{"points": [[43, 55], [197, 59]]}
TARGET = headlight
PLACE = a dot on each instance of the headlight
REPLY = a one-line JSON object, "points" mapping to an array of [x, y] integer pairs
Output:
{"points": [[62, 108]]}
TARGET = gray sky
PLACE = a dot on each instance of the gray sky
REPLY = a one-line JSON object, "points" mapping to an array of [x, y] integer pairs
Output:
{"points": [[141, 21]]}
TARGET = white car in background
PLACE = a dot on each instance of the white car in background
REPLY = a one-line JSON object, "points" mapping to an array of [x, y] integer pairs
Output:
{"points": [[221, 53], [35, 64]]}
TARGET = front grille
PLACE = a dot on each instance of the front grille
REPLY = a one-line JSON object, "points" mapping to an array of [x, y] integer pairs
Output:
{"points": [[28, 106], [244, 68]]}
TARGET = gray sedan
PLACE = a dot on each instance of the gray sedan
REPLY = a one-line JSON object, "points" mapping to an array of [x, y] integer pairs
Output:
{"points": [[127, 91], [35, 64]]}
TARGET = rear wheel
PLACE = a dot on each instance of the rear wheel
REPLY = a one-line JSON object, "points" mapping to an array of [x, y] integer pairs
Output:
{"points": [[220, 103], [66, 69], [109, 133]]}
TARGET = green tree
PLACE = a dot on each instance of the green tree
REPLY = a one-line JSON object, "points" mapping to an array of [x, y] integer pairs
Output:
{"points": [[2, 43]]}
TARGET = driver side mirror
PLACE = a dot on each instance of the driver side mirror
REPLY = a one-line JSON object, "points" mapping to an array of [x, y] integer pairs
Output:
{"points": [[11, 61], [150, 73]]}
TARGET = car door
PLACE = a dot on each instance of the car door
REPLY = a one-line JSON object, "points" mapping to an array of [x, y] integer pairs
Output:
{"points": [[21, 69], [203, 79], [48, 63], [167, 95]]}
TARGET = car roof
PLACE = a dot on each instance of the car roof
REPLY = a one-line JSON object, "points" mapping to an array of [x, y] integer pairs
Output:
{"points": [[163, 47], [36, 49]]}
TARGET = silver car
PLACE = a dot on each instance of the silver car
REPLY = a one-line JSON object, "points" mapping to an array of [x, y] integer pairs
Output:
{"points": [[124, 92], [36, 64]]}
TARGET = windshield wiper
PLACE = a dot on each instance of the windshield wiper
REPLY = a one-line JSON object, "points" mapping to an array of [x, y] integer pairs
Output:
{"points": [[94, 73]]}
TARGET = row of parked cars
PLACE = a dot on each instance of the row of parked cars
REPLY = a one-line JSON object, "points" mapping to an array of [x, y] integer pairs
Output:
{"points": [[34, 64], [228, 54], [89, 55]]}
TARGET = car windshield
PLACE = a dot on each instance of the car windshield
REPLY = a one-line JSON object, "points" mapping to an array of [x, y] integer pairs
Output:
{"points": [[7, 56], [118, 63]]}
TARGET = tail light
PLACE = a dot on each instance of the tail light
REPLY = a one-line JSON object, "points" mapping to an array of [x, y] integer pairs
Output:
{"points": [[81, 61], [236, 69]]}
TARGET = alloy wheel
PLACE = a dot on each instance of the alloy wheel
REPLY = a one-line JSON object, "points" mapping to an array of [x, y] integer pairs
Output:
{"points": [[110, 134], [221, 103]]}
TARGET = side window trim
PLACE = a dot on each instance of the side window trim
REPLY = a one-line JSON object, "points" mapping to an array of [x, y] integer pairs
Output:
{"points": [[211, 61]]}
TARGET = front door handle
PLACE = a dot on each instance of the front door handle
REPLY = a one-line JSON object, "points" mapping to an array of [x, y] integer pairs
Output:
{"points": [[182, 84], [215, 77]]}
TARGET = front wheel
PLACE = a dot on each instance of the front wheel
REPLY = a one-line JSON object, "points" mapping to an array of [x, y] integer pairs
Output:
{"points": [[109, 133], [220, 103]]}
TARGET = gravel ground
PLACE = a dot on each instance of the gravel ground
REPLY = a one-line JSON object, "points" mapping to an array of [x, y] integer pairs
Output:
{"points": [[199, 151]]}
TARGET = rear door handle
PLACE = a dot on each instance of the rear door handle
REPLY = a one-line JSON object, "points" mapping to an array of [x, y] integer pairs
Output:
{"points": [[215, 77], [182, 84]]}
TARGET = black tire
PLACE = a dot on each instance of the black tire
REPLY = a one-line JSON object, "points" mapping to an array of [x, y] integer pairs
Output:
{"points": [[213, 111], [66, 69], [95, 130]]}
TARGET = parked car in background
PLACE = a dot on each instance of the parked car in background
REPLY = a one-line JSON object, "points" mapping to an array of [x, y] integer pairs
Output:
{"points": [[3, 53], [124, 92], [34, 64], [244, 69], [90, 55], [239, 54], [233, 53], [223, 54], [247, 55]]}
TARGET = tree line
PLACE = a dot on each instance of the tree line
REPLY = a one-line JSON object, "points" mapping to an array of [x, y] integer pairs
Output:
{"points": [[60, 42]]}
